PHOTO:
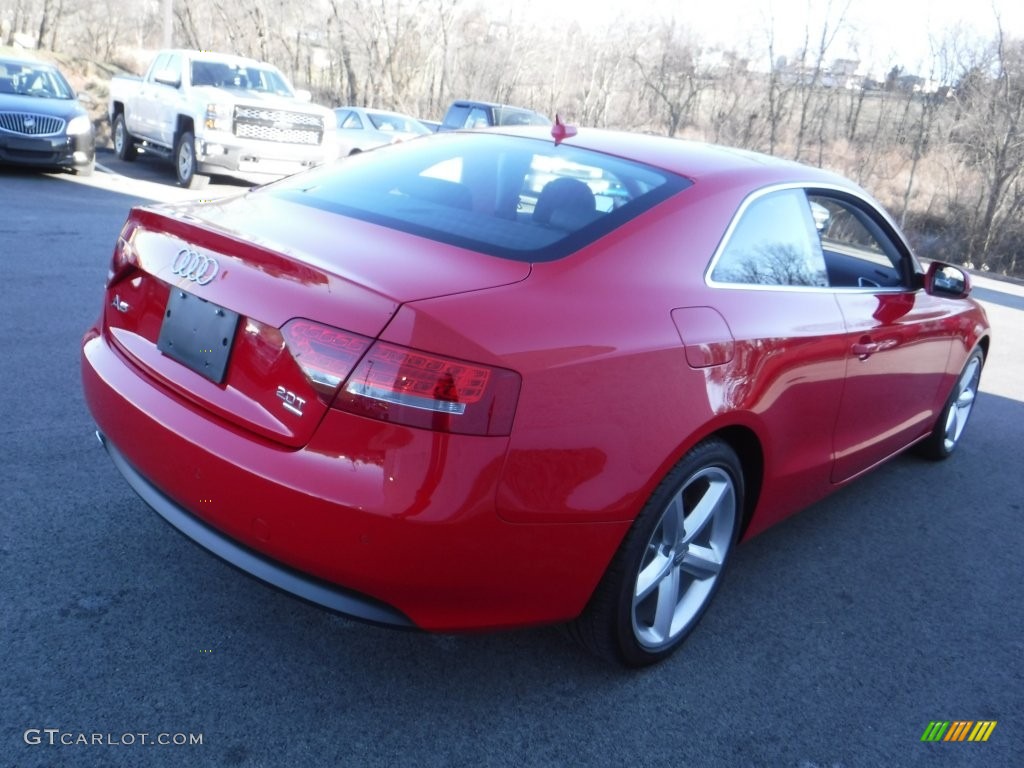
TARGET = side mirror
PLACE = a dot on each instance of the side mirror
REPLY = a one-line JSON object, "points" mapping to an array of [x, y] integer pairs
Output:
{"points": [[167, 77], [946, 280], [303, 95]]}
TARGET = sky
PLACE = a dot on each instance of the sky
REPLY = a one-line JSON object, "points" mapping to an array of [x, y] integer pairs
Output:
{"points": [[879, 33]]}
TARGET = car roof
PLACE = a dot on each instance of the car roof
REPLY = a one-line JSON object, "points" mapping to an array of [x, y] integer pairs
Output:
{"points": [[214, 56], [371, 110], [477, 103], [697, 161], [30, 61]]}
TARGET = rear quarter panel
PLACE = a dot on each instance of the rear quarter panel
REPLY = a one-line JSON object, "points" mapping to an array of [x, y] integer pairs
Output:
{"points": [[609, 402]]}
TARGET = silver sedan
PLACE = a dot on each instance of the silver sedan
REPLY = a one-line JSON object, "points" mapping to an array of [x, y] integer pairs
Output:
{"points": [[359, 129]]}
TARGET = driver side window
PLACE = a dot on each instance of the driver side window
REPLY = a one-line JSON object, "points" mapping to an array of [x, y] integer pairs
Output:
{"points": [[857, 251]]}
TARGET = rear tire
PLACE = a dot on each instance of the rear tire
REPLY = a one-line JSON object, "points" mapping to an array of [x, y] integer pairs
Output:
{"points": [[949, 427], [670, 563], [124, 144], [185, 163]]}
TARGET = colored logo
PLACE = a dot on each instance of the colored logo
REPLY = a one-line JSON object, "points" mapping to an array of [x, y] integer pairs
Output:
{"points": [[958, 730]]}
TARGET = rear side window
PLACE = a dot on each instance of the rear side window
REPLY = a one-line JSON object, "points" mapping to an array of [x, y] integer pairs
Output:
{"points": [[775, 242], [512, 197], [351, 121]]}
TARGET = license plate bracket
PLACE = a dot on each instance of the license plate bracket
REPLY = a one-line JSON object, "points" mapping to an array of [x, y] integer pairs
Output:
{"points": [[198, 334]]}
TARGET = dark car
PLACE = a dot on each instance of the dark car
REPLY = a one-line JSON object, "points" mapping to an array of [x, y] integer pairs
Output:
{"points": [[396, 388], [486, 114], [42, 124]]}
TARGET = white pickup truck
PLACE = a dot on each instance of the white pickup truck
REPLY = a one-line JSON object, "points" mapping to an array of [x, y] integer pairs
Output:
{"points": [[215, 113]]}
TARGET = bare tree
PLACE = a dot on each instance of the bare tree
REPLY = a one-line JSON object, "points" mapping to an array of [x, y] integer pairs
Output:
{"points": [[812, 67], [668, 70], [990, 139]]}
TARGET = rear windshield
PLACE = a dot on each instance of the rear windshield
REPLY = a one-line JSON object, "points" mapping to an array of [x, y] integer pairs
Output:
{"points": [[512, 197]]}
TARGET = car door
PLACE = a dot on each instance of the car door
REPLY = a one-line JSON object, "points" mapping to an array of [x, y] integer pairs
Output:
{"points": [[167, 99], [788, 362], [141, 116], [897, 343]]}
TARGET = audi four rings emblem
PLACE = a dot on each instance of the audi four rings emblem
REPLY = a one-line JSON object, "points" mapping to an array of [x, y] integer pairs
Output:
{"points": [[196, 267]]}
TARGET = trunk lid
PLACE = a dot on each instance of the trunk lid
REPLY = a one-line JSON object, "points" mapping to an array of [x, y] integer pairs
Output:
{"points": [[215, 335]]}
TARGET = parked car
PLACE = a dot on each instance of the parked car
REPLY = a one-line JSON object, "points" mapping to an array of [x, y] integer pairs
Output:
{"points": [[214, 113], [486, 114], [42, 123], [361, 129], [387, 388]]}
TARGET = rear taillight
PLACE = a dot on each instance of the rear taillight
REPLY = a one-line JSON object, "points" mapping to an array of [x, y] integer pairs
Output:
{"points": [[405, 386], [124, 261], [401, 385], [325, 354]]}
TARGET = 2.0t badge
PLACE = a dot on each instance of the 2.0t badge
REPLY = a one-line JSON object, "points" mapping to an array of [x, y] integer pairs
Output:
{"points": [[291, 401]]}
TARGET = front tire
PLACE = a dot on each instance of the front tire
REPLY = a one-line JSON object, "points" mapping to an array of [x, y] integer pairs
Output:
{"points": [[670, 563], [185, 163], [949, 427], [124, 144]]}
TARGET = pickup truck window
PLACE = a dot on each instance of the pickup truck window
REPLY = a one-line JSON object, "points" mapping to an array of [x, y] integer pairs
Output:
{"points": [[456, 116], [173, 68], [477, 119], [220, 74], [159, 66]]}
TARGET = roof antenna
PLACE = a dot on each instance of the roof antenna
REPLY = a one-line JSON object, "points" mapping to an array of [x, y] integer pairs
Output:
{"points": [[560, 131]]}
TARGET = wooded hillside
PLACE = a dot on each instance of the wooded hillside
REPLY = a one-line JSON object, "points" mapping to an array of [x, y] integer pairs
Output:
{"points": [[942, 149]]}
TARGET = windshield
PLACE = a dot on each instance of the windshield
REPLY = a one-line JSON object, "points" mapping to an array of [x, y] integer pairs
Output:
{"points": [[28, 79], [385, 121], [221, 74], [513, 197]]}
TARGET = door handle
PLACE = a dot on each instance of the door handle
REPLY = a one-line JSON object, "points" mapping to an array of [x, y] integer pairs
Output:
{"points": [[865, 348]]}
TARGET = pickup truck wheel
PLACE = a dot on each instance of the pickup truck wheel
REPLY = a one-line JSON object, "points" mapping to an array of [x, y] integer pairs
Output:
{"points": [[124, 145], [185, 163]]}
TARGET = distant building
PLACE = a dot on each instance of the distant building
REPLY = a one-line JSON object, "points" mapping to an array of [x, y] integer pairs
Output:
{"points": [[843, 73]]}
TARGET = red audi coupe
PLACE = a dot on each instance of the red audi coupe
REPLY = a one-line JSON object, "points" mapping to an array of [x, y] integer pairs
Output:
{"points": [[489, 379]]}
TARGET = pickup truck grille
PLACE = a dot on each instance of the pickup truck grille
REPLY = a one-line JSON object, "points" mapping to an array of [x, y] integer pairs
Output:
{"points": [[276, 125], [30, 125]]}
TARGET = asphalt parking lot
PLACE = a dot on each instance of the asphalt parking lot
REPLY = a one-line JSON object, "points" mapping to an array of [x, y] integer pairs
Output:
{"points": [[836, 639]]}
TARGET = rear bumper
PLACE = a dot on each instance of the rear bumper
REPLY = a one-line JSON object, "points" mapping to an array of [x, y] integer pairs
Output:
{"points": [[301, 585], [385, 523]]}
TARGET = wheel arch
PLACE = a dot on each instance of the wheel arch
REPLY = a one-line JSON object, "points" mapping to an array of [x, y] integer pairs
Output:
{"points": [[185, 123], [983, 344], [747, 446]]}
